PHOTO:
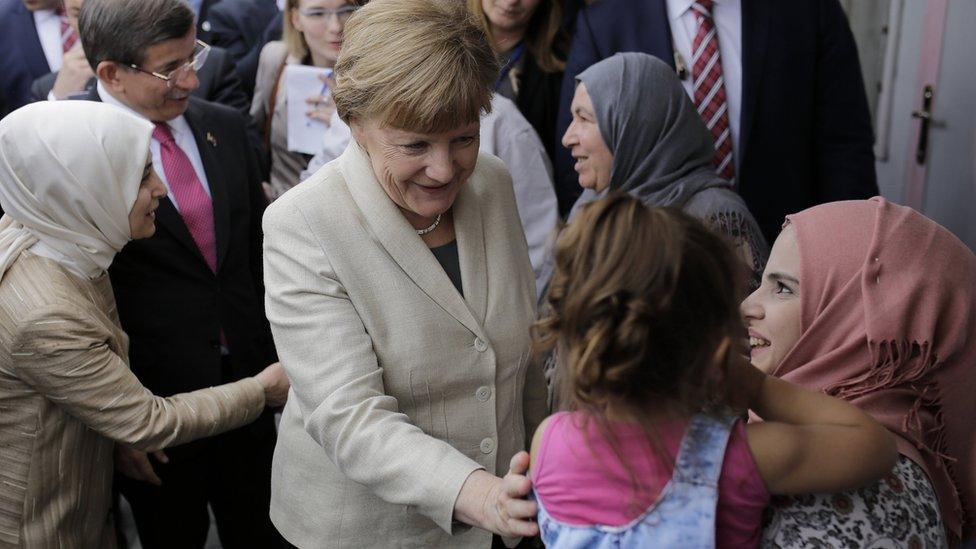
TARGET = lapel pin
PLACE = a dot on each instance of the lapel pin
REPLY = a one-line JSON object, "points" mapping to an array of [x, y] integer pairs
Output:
{"points": [[211, 139]]}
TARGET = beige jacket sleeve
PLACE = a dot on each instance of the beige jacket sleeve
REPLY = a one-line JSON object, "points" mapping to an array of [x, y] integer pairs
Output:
{"points": [[63, 353], [338, 382]]}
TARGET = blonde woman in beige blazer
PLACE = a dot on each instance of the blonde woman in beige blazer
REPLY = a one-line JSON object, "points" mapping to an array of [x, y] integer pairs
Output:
{"points": [[76, 185], [400, 295]]}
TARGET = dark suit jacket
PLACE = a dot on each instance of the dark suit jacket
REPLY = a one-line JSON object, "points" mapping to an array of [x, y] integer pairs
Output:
{"points": [[538, 100], [240, 27], [805, 130], [170, 303], [218, 83], [21, 56], [203, 20], [247, 68]]}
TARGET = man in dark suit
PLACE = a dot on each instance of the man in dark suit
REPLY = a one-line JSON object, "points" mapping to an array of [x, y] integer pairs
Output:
{"points": [[202, 10], [241, 27], [219, 83], [244, 27], [803, 135], [30, 46], [190, 297]]}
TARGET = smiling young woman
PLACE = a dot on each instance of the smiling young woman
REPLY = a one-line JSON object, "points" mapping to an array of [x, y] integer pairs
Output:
{"points": [[313, 35]]}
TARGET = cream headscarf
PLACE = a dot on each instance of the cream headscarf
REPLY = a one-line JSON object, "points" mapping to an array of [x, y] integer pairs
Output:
{"points": [[69, 176]]}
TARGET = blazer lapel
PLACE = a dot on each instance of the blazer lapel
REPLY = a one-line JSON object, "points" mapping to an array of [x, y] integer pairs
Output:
{"points": [[658, 33], [400, 240], [168, 217], [470, 233], [207, 145], [755, 32]]}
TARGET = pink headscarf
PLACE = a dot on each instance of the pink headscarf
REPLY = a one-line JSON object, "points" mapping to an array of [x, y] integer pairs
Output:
{"points": [[888, 319]]}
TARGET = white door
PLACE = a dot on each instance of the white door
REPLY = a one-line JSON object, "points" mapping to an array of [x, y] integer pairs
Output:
{"points": [[926, 117]]}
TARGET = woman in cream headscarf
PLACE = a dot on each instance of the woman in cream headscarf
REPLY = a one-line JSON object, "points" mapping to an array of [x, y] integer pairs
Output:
{"points": [[76, 183]]}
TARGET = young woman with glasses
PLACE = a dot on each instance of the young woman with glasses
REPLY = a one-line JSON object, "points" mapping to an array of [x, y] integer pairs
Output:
{"points": [[313, 31]]}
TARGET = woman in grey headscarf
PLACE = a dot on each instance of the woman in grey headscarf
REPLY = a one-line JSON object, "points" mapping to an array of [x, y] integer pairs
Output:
{"points": [[635, 130]]}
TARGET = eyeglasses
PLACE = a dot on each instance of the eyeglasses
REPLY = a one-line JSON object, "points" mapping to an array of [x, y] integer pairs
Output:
{"points": [[321, 14], [199, 57]]}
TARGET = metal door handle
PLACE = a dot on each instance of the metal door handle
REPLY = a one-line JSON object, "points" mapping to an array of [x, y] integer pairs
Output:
{"points": [[925, 116]]}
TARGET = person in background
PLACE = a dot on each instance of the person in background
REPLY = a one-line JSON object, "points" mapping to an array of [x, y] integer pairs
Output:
{"points": [[506, 134], [874, 303], [77, 182], [778, 85], [35, 38], [75, 74], [243, 27], [634, 130], [76, 78], [652, 450], [528, 36], [400, 295], [313, 34], [190, 297], [201, 9]]}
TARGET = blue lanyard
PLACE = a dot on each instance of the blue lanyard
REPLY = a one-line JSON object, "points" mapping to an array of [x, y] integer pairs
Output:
{"points": [[512, 60]]}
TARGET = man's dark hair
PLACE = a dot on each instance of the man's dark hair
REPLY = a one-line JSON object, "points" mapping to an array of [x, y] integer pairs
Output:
{"points": [[122, 30]]}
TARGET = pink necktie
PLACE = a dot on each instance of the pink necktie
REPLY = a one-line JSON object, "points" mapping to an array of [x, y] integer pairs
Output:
{"points": [[710, 88], [194, 203], [68, 34]]}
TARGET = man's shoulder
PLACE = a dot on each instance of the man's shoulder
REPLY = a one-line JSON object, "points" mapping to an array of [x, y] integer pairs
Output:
{"points": [[203, 110], [9, 8], [234, 10]]}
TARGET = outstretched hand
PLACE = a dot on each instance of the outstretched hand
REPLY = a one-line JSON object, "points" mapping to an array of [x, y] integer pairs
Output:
{"points": [[508, 508]]}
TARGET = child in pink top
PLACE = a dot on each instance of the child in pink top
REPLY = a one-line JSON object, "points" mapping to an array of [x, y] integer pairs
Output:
{"points": [[643, 310]]}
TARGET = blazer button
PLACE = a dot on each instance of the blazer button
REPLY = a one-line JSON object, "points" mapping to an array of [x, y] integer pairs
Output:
{"points": [[480, 344], [483, 393], [487, 446]]}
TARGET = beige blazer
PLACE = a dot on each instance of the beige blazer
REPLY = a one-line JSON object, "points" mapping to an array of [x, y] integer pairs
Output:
{"points": [[66, 393], [400, 387]]}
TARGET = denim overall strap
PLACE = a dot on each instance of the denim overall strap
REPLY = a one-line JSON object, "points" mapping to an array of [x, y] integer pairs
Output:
{"points": [[684, 515], [702, 451]]}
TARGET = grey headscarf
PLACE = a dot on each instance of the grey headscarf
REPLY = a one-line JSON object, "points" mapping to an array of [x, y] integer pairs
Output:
{"points": [[662, 155], [662, 151]]}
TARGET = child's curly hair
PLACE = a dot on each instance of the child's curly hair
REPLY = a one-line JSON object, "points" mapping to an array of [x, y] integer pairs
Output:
{"points": [[640, 308]]}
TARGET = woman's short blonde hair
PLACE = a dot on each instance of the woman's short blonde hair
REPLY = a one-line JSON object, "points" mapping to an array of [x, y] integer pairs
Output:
{"points": [[294, 39], [417, 65]]}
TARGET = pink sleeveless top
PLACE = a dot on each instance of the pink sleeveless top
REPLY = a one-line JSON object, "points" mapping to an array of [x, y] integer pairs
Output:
{"points": [[581, 481]]}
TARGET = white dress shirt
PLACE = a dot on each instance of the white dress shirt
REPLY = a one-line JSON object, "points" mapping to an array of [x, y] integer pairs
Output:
{"points": [[506, 134], [48, 26], [184, 139], [727, 16]]}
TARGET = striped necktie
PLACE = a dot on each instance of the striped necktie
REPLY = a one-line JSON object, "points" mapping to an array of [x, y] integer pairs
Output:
{"points": [[68, 34], [194, 203], [709, 88]]}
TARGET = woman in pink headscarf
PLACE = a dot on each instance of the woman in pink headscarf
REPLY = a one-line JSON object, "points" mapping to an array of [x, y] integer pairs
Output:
{"points": [[874, 303]]}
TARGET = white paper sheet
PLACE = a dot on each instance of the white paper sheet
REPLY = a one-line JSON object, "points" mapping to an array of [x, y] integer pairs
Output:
{"points": [[304, 134]]}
